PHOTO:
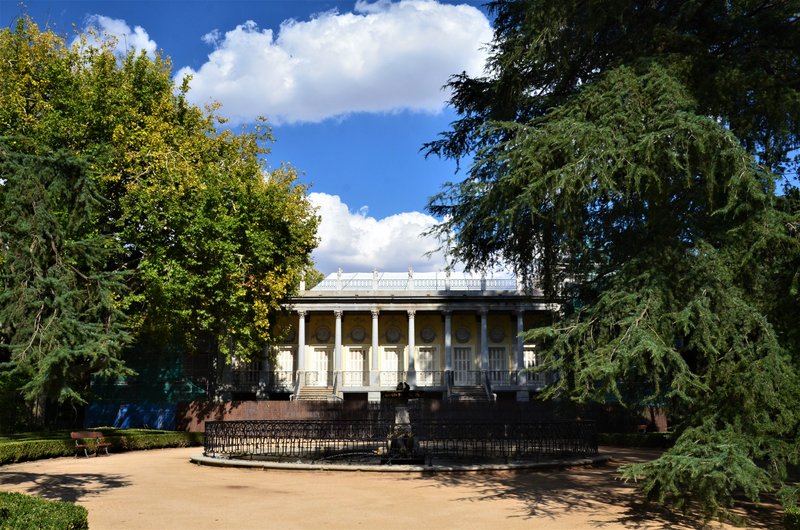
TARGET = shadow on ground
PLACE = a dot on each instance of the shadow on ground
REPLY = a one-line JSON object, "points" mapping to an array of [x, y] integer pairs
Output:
{"points": [[591, 490], [63, 487]]}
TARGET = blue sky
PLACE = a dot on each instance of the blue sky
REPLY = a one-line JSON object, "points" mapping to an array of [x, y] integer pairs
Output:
{"points": [[352, 89]]}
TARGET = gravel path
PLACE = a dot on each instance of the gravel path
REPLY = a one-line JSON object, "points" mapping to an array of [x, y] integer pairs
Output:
{"points": [[161, 489]]}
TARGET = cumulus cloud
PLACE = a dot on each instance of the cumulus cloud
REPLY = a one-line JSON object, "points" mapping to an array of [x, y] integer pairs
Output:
{"points": [[357, 243], [126, 38], [383, 57]]}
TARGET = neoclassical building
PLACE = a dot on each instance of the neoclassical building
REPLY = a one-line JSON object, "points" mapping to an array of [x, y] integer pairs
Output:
{"points": [[360, 335]]}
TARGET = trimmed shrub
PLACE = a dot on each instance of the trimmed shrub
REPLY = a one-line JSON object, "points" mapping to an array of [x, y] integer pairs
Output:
{"points": [[121, 440], [791, 518], [133, 442], [22, 512], [21, 451]]}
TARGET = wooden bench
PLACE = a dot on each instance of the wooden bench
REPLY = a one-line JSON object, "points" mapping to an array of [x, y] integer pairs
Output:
{"points": [[89, 441]]}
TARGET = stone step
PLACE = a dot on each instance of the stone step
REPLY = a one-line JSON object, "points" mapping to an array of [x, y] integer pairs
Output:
{"points": [[315, 393], [469, 389], [468, 393]]}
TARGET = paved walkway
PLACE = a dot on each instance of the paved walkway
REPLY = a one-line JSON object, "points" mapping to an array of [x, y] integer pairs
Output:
{"points": [[161, 489]]}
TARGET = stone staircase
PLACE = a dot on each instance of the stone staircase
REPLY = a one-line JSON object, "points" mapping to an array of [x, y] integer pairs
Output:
{"points": [[316, 393], [468, 393]]}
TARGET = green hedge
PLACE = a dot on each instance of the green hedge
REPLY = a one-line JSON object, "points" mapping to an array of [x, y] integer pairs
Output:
{"points": [[791, 518], [22, 512], [655, 440], [120, 439], [11, 452], [133, 442]]}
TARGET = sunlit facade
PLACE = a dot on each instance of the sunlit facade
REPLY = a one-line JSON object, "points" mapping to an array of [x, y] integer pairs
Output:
{"points": [[362, 335]]}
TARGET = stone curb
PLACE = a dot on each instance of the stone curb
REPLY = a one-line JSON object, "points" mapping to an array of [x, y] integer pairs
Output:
{"points": [[550, 464]]}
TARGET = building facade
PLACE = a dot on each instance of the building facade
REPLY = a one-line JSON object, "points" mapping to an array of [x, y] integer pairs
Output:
{"points": [[363, 336]]}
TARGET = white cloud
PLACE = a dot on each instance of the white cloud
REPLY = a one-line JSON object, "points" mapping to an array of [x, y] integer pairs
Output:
{"points": [[212, 37], [126, 39], [357, 243], [383, 57], [374, 7]]}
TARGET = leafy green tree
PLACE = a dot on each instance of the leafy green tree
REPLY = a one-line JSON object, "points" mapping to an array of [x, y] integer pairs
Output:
{"points": [[59, 306], [212, 240], [313, 276], [626, 159], [738, 60]]}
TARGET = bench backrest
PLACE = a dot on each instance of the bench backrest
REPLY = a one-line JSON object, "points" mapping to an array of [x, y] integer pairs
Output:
{"points": [[85, 434]]}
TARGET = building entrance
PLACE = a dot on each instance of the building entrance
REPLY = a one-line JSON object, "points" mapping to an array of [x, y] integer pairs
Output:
{"points": [[462, 361]]}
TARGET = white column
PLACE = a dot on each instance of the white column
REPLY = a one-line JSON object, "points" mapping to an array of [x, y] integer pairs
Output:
{"points": [[484, 339], [448, 340], [375, 351], [520, 357], [301, 341], [337, 345], [412, 373]]}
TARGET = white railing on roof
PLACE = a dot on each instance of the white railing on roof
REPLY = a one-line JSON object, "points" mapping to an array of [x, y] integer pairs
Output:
{"points": [[501, 283], [464, 284], [326, 285], [418, 284], [430, 284], [387, 283]]}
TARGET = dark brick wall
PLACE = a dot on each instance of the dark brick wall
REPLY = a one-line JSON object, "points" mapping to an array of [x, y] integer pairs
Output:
{"points": [[193, 415]]}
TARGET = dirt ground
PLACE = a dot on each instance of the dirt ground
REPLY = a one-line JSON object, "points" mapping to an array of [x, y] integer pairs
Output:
{"points": [[161, 489]]}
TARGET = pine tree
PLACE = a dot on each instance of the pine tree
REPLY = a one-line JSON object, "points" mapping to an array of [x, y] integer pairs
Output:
{"points": [[59, 303], [626, 160]]}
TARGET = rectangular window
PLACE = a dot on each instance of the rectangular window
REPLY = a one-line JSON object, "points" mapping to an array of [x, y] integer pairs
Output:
{"points": [[322, 361], [390, 367], [427, 368], [498, 366], [283, 373], [530, 358], [463, 366], [354, 375]]}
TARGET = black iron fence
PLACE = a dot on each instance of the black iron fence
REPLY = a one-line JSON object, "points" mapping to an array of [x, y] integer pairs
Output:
{"points": [[530, 440], [312, 440], [294, 439]]}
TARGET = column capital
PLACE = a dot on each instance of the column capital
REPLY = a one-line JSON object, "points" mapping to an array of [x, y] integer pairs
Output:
{"points": [[483, 311], [519, 311], [302, 312], [338, 313], [375, 312], [411, 313], [447, 311]]}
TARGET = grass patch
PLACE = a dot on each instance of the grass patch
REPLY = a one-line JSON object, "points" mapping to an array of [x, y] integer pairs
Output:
{"points": [[34, 446], [22, 512]]}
